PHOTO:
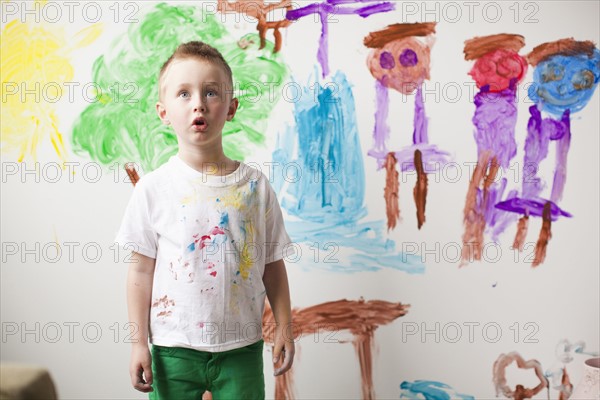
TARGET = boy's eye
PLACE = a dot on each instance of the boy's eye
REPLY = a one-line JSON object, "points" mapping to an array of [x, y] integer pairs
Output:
{"points": [[211, 93], [184, 94]]}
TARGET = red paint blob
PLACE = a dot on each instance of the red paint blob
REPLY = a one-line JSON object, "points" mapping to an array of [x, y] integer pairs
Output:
{"points": [[498, 68]]}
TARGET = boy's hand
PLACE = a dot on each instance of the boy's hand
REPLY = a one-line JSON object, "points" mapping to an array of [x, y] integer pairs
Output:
{"points": [[283, 347], [140, 369]]}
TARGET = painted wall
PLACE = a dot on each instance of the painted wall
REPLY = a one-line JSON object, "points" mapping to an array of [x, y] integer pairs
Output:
{"points": [[410, 281]]}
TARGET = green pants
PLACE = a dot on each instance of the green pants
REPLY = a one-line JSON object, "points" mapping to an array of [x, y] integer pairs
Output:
{"points": [[180, 373]]}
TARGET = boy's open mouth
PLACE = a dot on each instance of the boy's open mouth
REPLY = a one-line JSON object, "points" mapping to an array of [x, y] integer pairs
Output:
{"points": [[199, 124], [199, 121]]}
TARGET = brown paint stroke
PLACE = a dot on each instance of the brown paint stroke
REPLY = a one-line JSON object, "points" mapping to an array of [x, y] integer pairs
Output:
{"points": [[361, 318], [545, 235], [520, 392], [420, 190], [259, 10], [567, 47], [284, 385], [481, 45], [163, 302], [521, 233], [391, 191], [474, 218], [566, 386], [393, 32], [363, 348], [133, 175]]}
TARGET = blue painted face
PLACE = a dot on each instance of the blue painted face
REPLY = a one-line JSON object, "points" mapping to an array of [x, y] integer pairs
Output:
{"points": [[565, 82]]}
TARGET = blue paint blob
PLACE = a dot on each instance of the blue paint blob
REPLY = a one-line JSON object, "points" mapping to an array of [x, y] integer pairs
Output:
{"points": [[386, 60], [331, 185], [224, 221], [327, 198], [565, 82], [408, 58], [430, 390]]}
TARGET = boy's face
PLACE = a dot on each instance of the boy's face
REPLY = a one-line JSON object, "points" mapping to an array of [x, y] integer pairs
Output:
{"points": [[195, 98]]}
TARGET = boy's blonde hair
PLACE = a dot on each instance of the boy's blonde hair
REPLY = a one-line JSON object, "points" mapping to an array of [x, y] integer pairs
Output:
{"points": [[201, 51]]}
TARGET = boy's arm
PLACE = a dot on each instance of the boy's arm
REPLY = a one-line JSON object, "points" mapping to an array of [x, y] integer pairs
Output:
{"points": [[278, 293], [139, 298]]}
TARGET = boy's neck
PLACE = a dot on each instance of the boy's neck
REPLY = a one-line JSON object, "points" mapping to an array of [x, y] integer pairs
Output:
{"points": [[208, 162]]}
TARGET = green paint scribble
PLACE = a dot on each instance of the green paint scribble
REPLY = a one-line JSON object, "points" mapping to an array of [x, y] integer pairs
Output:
{"points": [[122, 125]]}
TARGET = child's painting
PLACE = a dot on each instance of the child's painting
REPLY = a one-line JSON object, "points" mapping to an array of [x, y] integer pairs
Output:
{"points": [[436, 164]]}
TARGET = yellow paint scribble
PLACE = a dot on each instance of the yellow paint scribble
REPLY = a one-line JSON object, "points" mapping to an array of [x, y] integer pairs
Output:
{"points": [[246, 257], [234, 302], [235, 197], [34, 67], [190, 199]]}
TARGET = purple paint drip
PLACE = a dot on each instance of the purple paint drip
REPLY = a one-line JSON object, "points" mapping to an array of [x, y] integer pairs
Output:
{"points": [[323, 52], [330, 7], [532, 207], [337, 2], [433, 158], [382, 131], [374, 9], [495, 120], [553, 128], [420, 120], [536, 149], [322, 10], [298, 13], [502, 219], [496, 220], [344, 11], [562, 151]]}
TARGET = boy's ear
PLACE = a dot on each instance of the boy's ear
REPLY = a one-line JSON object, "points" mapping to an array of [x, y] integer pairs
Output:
{"points": [[233, 105], [162, 113]]}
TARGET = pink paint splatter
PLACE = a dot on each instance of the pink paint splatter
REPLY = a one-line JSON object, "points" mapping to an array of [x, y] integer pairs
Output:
{"points": [[217, 231]]}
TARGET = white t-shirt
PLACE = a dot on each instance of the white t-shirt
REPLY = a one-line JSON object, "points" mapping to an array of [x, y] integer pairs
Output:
{"points": [[211, 237]]}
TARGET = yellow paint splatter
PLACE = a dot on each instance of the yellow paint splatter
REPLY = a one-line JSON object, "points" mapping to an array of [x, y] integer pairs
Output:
{"points": [[234, 302], [34, 68], [190, 199], [238, 198], [234, 197], [246, 257]]}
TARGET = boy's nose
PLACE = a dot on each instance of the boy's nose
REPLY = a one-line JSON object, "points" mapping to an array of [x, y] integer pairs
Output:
{"points": [[200, 105]]}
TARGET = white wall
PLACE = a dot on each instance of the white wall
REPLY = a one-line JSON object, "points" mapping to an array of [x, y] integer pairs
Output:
{"points": [[558, 300]]}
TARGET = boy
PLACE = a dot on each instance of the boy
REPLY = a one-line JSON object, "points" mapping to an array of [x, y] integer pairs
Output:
{"points": [[209, 245]]}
